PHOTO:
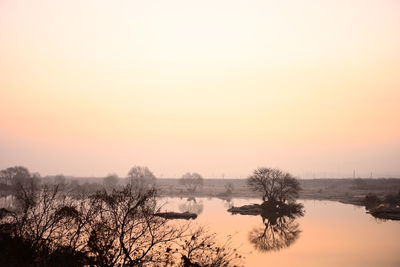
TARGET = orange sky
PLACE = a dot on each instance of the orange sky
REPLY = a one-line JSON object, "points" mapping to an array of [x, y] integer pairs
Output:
{"points": [[217, 87]]}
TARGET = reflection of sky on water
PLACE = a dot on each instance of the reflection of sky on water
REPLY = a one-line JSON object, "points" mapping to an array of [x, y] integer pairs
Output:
{"points": [[332, 234]]}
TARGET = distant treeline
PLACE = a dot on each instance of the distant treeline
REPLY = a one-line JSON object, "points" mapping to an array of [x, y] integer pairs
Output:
{"points": [[195, 185]]}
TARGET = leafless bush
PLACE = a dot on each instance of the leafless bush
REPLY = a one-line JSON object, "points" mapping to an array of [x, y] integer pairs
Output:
{"points": [[108, 229]]}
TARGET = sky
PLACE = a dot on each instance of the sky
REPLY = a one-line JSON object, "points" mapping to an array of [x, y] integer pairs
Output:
{"points": [[219, 87]]}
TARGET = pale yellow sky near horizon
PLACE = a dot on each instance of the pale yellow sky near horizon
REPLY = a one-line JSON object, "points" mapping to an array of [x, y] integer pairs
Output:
{"points": [[217, 87]]}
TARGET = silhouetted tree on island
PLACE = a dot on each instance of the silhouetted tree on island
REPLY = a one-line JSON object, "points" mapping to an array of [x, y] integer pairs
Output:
{"points": [[274, 184], [278, 210], [191, 181]]}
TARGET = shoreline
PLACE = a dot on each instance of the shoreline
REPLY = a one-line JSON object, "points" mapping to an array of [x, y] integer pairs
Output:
{"points": [[345, 200]]}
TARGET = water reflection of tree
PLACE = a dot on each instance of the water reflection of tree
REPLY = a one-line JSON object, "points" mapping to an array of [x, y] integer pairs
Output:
{"points": [[279, 230], [192, 205], [227, 202]]}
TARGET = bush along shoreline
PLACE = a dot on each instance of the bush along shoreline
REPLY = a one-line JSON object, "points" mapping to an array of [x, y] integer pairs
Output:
{"points": [[387, 208]]}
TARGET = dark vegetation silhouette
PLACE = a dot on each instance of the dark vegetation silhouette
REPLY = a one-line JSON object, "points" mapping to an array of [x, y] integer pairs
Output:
{"points": [[371, 201], [63, 221], [274, 184], [50, 227], [386, 207], [191, 181], [15, 175]]}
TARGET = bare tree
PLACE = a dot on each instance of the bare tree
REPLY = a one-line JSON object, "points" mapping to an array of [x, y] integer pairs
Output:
{"points": [[192, 181], [128, 226], [201, 248], [274, 184], [288, 188], [15, 175], [26, 193], [141, 177], [25, 185], [107, 229]]}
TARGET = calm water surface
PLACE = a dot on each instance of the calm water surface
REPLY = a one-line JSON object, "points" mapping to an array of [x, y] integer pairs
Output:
{"points": [[332, 234]]}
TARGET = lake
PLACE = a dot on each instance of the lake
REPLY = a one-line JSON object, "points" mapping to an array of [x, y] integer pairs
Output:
{"points": [[329, 234]]}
